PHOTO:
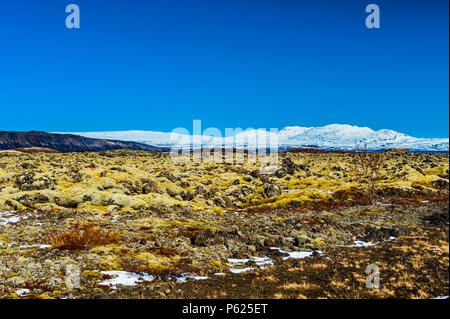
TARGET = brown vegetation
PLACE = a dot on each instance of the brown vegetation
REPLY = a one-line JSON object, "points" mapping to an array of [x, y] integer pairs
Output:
{"points": [[82, 236], [367, 168]]}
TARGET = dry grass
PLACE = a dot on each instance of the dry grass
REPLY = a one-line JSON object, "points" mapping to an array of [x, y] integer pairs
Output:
{"points": [[82, 236]]}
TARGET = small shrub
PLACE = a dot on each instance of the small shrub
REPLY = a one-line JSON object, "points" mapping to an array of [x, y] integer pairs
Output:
{"points": [[367, 168], [82, 236]]}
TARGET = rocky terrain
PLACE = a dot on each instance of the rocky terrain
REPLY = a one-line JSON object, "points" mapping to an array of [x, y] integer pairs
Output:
{"points": [[136, 224]]}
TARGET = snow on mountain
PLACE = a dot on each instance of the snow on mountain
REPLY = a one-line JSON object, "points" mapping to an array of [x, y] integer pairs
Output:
{"points": [[339, 136], [290, 131], [334, 136], [249, 139], [347, 136]]}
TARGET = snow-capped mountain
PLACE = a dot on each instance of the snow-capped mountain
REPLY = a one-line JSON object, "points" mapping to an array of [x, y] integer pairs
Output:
{"points": [[347, 136], [290, 131], [334, 136]]}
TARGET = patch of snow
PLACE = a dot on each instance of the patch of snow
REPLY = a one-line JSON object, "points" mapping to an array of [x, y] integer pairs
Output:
{"points": [[384, 204], [22, 292], [240, 270], [185, 277], [125, 278], [9, 218], [262, 261], [238, 261], [441, 297], [35, 245], [257, 260], [115, 219], [360, 243], [297, 254]]}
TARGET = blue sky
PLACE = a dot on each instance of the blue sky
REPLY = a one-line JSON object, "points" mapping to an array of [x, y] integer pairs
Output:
{"points": [[159, 64]]}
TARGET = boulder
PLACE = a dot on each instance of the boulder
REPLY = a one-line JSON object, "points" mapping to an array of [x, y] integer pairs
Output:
{"points": [[271, 190], [32, 199]]}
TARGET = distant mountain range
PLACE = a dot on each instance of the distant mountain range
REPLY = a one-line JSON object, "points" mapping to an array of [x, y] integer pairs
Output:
{"points": [[330, 137], [66, 142], [334, 136]]}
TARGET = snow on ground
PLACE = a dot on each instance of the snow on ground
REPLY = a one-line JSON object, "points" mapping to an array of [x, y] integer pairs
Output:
{"points": [[240, 270], [257, 260], [124, 278], [131, 279], [22, 292], [360, 243], [262, 261], [9, 218], [35, 245], [185, 277]]}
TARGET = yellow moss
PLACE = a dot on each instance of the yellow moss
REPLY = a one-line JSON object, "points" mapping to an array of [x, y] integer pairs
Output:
{"points": [[92, 274], [4, 238], [346, 187], [438, 170], [102, 249], [319, 241], [156, 262], [414, 176], [217, 264], [44, 297], [111, 262], [92, 207]]}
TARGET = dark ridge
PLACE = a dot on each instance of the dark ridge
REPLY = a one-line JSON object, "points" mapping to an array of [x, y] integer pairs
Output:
{"points": [[67, 142]]}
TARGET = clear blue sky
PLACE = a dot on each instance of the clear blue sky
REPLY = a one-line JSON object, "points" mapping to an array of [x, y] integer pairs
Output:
{"points": [[159, 64]]}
